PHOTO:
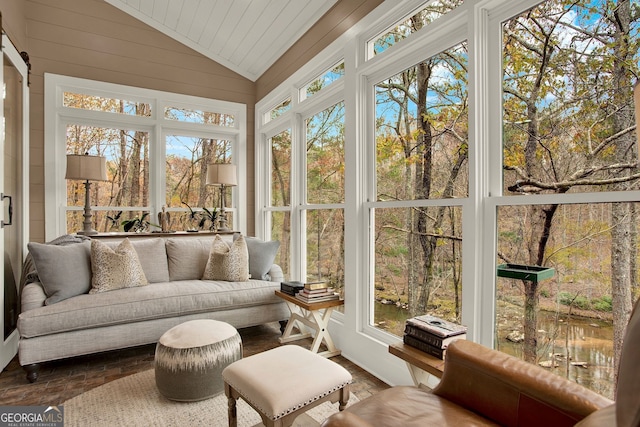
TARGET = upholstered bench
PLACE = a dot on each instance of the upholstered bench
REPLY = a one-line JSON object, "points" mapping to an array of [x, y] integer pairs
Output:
{"points": [[190, 358], [284, 382]]}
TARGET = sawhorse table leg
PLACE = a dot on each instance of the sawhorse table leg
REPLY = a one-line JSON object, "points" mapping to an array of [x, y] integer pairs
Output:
{"points": [[317, 321]]}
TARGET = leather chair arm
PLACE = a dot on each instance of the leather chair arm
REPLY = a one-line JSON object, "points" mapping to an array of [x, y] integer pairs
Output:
{"points": [[345, 419], [510, 391]]}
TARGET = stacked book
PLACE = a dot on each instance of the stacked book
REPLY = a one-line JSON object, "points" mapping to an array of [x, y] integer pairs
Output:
{"points": [[431, 334], [291, 288], [317, 292]]}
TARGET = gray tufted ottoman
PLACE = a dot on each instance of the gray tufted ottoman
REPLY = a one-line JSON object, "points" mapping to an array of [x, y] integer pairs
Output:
{"points": [[190, 358]]}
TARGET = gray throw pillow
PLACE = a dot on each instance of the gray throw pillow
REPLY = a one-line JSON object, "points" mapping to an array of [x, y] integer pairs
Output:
{"points": [[152, 255], [187, 257], [115, 269], [64, 271], [262, 254], [153, 259]]}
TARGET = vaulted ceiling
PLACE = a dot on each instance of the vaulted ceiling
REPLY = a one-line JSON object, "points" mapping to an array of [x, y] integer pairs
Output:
{"points": [[246, 36]]}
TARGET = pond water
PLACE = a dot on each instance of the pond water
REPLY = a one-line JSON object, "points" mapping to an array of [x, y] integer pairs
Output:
{"points": [[587, 342]]}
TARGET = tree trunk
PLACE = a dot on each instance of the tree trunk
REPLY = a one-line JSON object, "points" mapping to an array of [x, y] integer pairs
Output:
{"points": [[134, 168], [123, 171], [145, 169], [621, 212], [208, 146], [423, 183], [541, 218]]}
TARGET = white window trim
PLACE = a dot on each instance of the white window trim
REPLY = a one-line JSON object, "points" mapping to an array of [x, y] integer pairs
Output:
{"points": [[56, 117]]}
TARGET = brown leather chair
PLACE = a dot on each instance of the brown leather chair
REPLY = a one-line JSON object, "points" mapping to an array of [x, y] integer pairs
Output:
{"points": [[481, 387]]}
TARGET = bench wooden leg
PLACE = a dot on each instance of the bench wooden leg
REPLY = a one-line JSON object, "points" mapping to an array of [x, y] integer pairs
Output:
{"points": [[344, 397], [232, 410]]}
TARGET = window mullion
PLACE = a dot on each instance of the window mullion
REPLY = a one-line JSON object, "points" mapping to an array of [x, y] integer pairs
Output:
{"points": [[298, 188]]}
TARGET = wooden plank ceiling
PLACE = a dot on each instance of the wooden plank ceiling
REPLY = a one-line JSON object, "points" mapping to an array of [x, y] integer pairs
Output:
{"points": [[246, 36]]}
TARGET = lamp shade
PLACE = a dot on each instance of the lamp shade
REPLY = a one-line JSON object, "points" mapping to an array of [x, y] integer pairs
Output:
{"points": [[85, 167], [222, 174]]}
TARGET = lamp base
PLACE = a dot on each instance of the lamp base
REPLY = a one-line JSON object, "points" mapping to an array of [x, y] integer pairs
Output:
{"points": [[87, 229], [222, 215]]}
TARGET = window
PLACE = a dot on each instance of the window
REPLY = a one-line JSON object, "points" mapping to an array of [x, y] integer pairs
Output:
{"points": [[568, 130], [185, 175], [325, 79], [314, 205], [421, 154], [415, 22], [199, 116], [325, 156], [157, 147], [127, 169], [105, 104], [325, 196], [278, 110], [516, 147], [280, 200], [567, 106]]}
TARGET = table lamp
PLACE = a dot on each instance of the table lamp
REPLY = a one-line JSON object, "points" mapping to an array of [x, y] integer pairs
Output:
{"points": [[87, 168], [222, 175]]}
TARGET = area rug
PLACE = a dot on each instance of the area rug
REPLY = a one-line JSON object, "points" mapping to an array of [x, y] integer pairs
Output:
{"points": [[135, 401]]}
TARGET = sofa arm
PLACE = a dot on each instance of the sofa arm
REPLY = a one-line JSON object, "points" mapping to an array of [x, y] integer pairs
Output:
{"points": [[32, 296], [510, 391], [276, 274]]}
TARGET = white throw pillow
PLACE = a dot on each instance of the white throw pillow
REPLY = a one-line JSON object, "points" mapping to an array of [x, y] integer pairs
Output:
{"points": [[229, 263], [115, 269]]}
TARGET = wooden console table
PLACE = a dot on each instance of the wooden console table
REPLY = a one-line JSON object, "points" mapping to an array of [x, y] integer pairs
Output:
{"points": [[316, 316], [422, 366], [119, 235]]}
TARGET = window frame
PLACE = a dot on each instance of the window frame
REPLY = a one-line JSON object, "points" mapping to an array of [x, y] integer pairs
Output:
{"points": [[57, 117]]}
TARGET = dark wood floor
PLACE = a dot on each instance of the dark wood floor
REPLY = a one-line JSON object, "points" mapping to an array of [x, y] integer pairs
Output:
{"points": [[62, 380]]}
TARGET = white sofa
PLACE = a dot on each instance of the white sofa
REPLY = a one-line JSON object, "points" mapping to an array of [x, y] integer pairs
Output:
{"points": [[60, 319]]}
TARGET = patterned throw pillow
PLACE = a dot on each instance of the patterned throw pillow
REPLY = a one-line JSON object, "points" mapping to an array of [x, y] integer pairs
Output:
{"points": [[228, 263], [115, 269]]}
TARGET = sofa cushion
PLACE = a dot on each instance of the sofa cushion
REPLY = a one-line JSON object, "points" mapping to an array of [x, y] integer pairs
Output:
{"points": [[153, 258], [115, 269], [144, 303], [64, 271], [227, 262], [187, 257], [262, 255]]}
